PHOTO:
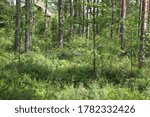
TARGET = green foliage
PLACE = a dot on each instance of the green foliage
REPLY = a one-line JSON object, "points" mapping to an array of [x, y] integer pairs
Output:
{"points": [[54, 31], [68, 74], [48, 72], [40, 23]]}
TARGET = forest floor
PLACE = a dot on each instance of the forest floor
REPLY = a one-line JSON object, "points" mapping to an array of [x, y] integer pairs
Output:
{"points": [[52, 73]]}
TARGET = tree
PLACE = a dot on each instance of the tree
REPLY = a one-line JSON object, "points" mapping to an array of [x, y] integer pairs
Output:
{"points": [[60, 22], [27, 29], [87, 21], [148, 13], [83, 17], [94, 39], [122, 23], [112, 18], [140, 11], [97, 16], [18, 27], [46, 6], [33, 19], [71, 17], [143, 31]]}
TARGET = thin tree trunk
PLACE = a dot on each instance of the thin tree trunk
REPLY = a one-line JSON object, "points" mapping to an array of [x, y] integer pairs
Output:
{"points": [[80, 17], [87, 20], [33, 20], [74, 16], [148, 14], [46, 20], [27, 29], [18, 27], [122, 24], [60, 22], [139, 23], [97, 16], [17, 44], [83, 17], [143, 32], [112, 18], [71, 17], [94, 40]]}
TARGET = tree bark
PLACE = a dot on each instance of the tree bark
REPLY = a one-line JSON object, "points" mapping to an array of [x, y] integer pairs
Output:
{"points": [[27, 29], [112, 18], [94, 40], [139, 23], [60, 22], [143, 32], [46, 20], [122, 23], [87, 22], [83, 17], [97, 16], [71, 17], [18, 27], [148, 14]]}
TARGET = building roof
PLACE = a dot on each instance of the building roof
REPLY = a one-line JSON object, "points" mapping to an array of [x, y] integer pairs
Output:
{"points": [[41, 4], [37, 3]]}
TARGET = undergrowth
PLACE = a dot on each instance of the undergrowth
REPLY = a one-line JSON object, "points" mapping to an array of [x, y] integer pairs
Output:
{"points": [[68, 73]]}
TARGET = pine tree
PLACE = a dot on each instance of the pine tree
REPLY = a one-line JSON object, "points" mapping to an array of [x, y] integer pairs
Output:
{"points": [[143, 31], [18, 27], [122, 23], [60, 22], [27, 29]]}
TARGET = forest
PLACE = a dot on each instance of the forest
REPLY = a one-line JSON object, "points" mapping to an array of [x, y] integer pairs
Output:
{"points": [[74, 49]]}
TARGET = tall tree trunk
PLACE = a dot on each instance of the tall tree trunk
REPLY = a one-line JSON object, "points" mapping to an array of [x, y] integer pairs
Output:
{"points": [[94, 40], [87, 22], [148, 14], [139, 23], [18, 27], [71, 17], [60, 22], [27, 29], [80, 17], [83, 17], [33, 19], [97, 16], [46, 20], [143, 32], [112, 18], [122, 23]]}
